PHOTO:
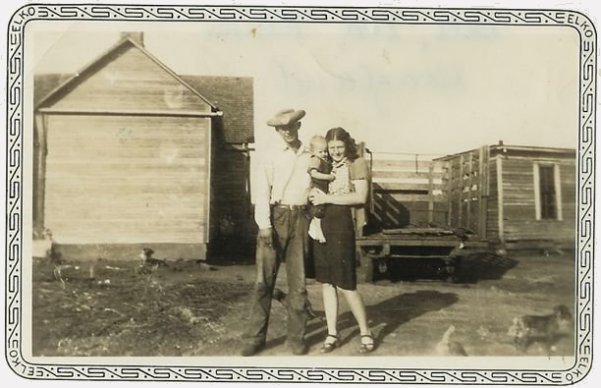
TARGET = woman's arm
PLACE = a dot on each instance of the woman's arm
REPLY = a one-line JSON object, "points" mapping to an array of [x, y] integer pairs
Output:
{"points": [[358, 197]]}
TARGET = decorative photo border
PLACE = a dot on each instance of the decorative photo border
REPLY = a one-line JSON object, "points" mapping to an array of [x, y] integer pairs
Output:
{"points": [[417, 16]]}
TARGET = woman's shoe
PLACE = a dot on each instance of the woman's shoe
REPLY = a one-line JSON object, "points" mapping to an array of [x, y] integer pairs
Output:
{"points": [[331, 343], [368, 344]]}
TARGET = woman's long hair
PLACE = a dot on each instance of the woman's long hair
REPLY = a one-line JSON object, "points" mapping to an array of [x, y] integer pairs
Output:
{"points": [[350, 147]]}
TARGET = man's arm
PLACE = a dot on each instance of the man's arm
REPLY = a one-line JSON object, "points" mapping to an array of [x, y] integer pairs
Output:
{"points": [[262, 191]]}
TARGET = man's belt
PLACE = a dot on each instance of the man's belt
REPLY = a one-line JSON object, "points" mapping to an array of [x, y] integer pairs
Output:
{"points": [[289, 207]]}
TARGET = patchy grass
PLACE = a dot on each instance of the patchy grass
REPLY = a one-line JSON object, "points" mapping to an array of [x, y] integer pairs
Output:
{"points": [[186, 309], [122, 312]]}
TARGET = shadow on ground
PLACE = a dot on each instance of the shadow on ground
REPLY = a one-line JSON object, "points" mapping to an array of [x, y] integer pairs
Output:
{"points": [[388, 314], [484, 266], [470, 268]]}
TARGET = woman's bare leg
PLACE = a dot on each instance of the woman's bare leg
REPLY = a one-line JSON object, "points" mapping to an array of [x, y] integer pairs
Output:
{"points": [[330, 305], [357, 306]]}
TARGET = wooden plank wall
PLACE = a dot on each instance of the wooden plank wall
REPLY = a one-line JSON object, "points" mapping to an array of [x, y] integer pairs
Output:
{"points": [[130, 80], [406, 190], [125, 179], [519, 201]]}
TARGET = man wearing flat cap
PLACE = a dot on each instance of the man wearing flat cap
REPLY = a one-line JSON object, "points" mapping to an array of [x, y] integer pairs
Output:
{"points": [[281, 184]]}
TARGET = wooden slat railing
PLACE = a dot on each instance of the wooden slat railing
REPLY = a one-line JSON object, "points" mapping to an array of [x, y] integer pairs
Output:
{"points": [[407, 189]]}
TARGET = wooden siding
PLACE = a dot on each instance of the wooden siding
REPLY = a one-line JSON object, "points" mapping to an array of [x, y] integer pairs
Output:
{"points": [[123, 179], [519, 201], [127, 79], [232, 95]]}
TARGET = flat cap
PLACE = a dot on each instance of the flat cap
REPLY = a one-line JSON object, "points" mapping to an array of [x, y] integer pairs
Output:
{"points": [[286, 117]]}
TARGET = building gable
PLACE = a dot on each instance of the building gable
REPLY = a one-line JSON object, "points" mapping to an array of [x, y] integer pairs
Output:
{"points": [[126, 78]]}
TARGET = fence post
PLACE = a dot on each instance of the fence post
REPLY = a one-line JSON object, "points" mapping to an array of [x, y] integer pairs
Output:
{"points": [[431, 193], [470, 177], [448, 172], [360, 214], [416, 163], [483, 192], [460, 193]]}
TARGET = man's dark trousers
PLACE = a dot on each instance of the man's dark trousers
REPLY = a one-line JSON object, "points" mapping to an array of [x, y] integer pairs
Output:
{"points": [[290, 226]]}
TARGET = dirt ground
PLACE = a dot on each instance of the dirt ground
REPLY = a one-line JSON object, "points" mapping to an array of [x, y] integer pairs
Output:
{"points": [[191, 309]]}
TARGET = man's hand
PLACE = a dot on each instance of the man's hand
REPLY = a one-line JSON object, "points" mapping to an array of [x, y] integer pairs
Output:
{"points": [[266, 237]]}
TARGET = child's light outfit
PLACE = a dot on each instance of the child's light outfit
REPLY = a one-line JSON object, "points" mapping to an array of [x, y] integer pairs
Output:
{"points": [[318, 211]]}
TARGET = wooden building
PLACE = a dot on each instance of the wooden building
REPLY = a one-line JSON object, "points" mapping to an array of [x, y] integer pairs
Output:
{"points": [[130, 154], [515, 196]]}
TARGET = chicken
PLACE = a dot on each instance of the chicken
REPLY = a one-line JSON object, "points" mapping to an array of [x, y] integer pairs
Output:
{"points": [[545, 329], [446, 347], [150, 264], [57, 262]]}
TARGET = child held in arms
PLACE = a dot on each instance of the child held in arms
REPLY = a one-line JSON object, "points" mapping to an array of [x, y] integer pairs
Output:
{"points": [[320, 171]]}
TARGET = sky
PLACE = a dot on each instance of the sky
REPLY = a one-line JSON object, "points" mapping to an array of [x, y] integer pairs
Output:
{"points": [[430, 90]]}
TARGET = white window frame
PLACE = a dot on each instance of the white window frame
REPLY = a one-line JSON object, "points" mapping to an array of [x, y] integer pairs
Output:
{"points": [[557, 183]]}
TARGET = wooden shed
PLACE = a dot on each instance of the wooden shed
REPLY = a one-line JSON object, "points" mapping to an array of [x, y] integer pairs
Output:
{"points": [[130, 154], [515, 196]]}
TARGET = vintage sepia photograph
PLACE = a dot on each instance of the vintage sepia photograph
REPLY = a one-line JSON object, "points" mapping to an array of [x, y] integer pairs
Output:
{"points": [[323, 187]]}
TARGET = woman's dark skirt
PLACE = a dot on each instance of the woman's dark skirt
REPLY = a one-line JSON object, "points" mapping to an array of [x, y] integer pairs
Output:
{"points": [[335, 261]]}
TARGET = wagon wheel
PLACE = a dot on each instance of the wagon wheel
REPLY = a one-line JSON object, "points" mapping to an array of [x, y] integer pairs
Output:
{"points": [[365, 270], [453, 269]]}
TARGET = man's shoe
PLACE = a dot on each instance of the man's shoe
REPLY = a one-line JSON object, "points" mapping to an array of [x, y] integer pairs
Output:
{"points": [[298, 349], [252, 349]]}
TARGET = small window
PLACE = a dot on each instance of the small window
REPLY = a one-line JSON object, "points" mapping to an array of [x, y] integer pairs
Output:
{"points": [[547, 191]]}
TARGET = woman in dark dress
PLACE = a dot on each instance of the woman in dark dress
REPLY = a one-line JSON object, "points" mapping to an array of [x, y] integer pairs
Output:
{"points": [[335, 262]]}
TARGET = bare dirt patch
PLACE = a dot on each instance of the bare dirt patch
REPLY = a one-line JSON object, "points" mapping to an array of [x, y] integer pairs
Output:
{"points": [[188, 309]]}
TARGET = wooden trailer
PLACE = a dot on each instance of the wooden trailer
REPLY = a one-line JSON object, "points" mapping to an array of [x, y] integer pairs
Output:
{"points": [[513, 196], [129, 154]]}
